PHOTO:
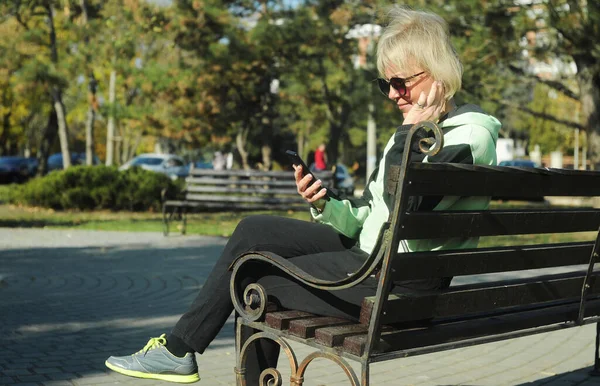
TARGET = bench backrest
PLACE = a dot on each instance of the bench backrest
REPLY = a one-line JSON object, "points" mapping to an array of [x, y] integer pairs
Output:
{"points": [[247, 189], [483, 311]]}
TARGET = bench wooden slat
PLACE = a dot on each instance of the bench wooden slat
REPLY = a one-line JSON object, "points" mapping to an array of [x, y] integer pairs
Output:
{"points": [[334, 336], [427, 225], [454, 331], [281, 320], [227, 181], [490, 297], [249, 199], [478, 180], [244, 190], [238, 206], [420, 265], [254, 173], [305, 328]]}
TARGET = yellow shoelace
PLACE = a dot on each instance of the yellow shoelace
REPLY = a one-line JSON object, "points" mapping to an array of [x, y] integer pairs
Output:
{"points": [[154, 343]]}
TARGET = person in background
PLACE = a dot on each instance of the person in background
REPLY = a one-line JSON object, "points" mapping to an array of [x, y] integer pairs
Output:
{"points": [[320, 158], [218, 161], [420, 73]]}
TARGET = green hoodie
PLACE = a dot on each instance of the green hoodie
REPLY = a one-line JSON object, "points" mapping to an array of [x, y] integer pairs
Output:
{"points": [[470, 137]]}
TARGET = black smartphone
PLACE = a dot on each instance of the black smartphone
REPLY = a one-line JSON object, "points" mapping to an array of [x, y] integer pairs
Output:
{"points": [[296, 160]]}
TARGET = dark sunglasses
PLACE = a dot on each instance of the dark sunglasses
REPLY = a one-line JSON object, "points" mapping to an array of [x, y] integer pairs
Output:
{"points": [[399, 84]]}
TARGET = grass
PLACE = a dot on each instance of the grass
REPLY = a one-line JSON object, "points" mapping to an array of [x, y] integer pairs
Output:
{"points": [[210, 224]]}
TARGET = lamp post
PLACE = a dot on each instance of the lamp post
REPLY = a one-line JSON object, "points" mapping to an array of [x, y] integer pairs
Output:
{"points": [[366, 34]]}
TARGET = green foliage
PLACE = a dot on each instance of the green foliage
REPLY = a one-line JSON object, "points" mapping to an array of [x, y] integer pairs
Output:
{"points": [[98, 187], [199, 74]]}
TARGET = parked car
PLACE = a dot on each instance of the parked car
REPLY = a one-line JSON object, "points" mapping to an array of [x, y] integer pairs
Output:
{"points": [[523, 163], [169, 164], [55, 161], [17, 169]]}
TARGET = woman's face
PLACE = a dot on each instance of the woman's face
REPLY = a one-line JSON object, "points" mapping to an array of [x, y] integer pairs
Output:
{"points": [[414, 87]]}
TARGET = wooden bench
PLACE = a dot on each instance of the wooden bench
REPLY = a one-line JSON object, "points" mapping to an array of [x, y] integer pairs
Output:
{"points": [[237, 190], [396, 326]]}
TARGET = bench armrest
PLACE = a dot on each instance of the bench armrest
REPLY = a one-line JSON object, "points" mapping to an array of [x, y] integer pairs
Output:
{"points": [[254, 299]]}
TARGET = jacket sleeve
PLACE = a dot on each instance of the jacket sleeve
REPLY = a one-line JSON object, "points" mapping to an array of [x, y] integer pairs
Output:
{"points": [[347, 215]]}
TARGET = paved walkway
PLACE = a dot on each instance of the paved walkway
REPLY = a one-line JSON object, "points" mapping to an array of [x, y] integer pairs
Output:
{"points": [[70, 299]]}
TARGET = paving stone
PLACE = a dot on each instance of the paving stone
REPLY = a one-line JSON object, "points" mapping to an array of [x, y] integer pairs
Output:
{"points": [[47, 370], [16, 372], [90, 295], [32, 378], [62, 376]]}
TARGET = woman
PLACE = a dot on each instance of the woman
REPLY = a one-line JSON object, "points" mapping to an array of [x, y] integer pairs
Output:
{"points": [[421, 73]]}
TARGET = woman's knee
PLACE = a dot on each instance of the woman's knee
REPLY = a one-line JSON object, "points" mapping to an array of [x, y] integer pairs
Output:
{"points": [[249, 225]]}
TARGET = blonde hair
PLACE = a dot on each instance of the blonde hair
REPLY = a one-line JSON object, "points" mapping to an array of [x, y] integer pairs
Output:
{"points": [[419, 39]]}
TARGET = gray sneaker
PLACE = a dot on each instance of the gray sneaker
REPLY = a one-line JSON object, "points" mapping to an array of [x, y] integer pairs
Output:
{"points": [[154, 361]]}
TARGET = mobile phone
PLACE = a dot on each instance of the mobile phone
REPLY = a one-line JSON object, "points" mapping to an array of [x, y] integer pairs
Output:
{"points": [[297, 160]]}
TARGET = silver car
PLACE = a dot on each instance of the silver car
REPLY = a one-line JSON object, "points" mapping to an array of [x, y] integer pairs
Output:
{"points": [[169, 164]]}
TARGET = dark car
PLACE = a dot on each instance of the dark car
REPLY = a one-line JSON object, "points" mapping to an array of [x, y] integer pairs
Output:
{"points": [[17, 169], [55, 161], [523, 163]]}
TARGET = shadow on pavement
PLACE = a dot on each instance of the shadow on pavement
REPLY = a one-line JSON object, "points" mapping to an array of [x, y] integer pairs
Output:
{"points": [[31, 223], [65, 310]]}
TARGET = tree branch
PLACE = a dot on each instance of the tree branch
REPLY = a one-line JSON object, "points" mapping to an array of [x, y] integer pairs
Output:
{"points": [[556, 85], [17, 16], [536, 114]]}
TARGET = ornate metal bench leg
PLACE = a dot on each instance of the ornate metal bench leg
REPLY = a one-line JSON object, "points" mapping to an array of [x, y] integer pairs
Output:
{"points": [[165, 221], [241, 335], [365, 374], [596, 371]]}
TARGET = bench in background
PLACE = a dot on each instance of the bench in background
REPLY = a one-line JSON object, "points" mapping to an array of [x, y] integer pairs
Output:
{"points": [[393, 325], [237, 190]]}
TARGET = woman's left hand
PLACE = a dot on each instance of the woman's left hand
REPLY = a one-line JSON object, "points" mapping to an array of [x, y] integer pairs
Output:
{"points": [[428, 107]]}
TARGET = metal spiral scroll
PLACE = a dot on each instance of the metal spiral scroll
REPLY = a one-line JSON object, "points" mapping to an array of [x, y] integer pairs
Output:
{"points": [[255, 302], [428, 146], [270, 376]]}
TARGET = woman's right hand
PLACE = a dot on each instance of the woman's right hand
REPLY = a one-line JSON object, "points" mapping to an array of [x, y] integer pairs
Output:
{"points": [[429, 107], [312, 193]]}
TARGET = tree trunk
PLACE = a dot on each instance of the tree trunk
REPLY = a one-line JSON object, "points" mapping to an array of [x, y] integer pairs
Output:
{"points": [[132, 147], [91, 114], [300, 142], [240, 142], [56, 93], [63, 134], [89, 136], [47, 140], [266, 156], [335, 132], [5, 132], [125, 138], [588, 81], [110, 130]]}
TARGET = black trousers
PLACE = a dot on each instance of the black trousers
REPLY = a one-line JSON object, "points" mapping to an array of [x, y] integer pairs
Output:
{"points": [[315, 248]]}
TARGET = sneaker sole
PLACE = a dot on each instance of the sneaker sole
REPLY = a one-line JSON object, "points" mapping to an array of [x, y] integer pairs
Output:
{"points": [[163, 377]]}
